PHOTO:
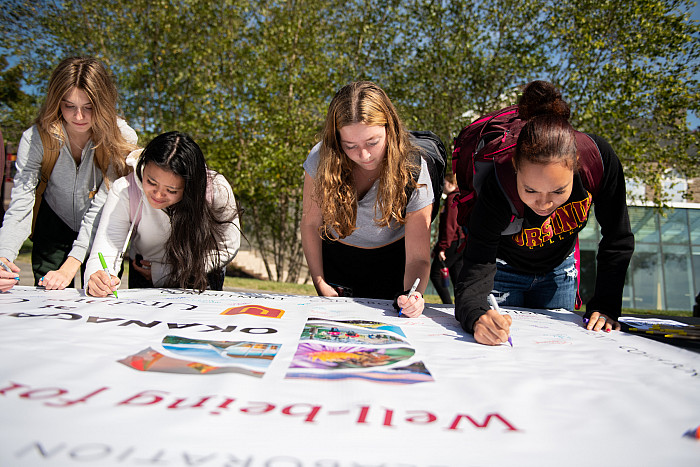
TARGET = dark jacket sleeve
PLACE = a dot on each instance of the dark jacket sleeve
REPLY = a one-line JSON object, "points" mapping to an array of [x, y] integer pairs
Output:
{"points": [[449, 230], [490, 216], [617, 241]]}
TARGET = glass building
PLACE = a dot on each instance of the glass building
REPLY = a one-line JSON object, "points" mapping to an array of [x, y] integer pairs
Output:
{"points": [[664, 273]]}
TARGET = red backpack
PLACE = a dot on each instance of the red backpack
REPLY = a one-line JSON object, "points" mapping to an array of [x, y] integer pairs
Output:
{"points": [[488, 144]]}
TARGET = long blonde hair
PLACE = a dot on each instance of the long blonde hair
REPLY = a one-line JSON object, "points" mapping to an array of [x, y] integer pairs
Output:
{"points": [[362, 102], [89, 75]]}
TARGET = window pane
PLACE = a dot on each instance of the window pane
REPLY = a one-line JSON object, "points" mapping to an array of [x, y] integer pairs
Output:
{"points": [[674, 227], [628, 291], [677, 278], [644, 225], [588, 237], [588, 265], [694, 220], [696, 269], [646, 277]]}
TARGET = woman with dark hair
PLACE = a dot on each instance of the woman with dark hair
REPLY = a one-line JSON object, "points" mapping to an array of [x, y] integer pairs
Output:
{"points": [[535, 267], [79, 125], [183, 217], [360, 230]]}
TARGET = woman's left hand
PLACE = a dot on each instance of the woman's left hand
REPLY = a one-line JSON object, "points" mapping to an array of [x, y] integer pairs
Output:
{"points": [[144, 269], [56, 280], [601, 322], [411, 306], [62, 277]]}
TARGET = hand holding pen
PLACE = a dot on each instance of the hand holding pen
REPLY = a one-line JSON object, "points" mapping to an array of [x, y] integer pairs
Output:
{"points": [[494, 305], [493, 328], [9, 277], [411, 304], [101, 286]]}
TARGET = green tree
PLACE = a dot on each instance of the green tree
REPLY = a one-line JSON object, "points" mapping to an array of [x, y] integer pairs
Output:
{"points": [[17, 108], [630, 71], [251, 79]]}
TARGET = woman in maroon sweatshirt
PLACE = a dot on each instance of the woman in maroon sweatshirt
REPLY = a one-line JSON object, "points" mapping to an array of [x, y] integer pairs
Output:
{"points": [[535, 267]]}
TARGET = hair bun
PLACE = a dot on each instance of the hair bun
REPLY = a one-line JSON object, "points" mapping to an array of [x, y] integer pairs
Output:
{"points": [[542, 98]]}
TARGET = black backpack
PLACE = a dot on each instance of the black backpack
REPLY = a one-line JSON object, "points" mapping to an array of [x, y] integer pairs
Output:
{"points": [[433, 152]]}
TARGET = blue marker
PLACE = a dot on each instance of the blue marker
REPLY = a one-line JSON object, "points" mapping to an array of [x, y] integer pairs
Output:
{"points": [[7, 268], [494, 305]]}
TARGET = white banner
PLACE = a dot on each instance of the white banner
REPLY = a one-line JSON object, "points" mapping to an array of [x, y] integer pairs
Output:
{"points": [[170, 378]]}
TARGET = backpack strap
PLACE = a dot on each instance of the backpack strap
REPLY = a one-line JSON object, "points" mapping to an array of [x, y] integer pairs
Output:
{"points": [[135, 201], [590, 162], [51, 148], [135, 210], [505, 175], [431, 149]]}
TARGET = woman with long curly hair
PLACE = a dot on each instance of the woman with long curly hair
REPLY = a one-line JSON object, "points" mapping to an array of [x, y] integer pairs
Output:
{"points": [[366, 220], [183, 217], [79, 122]]}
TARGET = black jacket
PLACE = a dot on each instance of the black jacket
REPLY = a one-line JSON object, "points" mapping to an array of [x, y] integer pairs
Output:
{"points": [[544, 242]]}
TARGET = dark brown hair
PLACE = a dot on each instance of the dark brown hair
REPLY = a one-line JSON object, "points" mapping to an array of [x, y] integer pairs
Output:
{"points": [[198, 228], [547, 136]]}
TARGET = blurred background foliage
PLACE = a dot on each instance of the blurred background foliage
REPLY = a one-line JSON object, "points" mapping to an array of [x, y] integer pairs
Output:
{"points": [[251, 80]]}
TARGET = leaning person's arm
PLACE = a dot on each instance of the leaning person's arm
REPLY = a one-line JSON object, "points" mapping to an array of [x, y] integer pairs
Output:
{"points": [[17, 223], [311, 219], [111, 233], [617, 241], [417, 260], [491, 214]]}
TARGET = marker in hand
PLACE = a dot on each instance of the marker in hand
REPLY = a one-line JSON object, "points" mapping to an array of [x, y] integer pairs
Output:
{"points": [[494, 305], [7, 268], [106, 269], [413, 289]]}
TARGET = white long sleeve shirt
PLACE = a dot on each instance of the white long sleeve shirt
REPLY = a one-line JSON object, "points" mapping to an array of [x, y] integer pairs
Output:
{"points": [[153, 230]]}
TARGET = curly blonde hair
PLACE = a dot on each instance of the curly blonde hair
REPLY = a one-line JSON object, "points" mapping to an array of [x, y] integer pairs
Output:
{"points": [[363, 102], [89, 75]]}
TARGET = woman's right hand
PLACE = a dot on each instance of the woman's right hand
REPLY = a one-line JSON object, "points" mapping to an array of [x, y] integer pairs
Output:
{"points": [[99, 284], [144, 269], [8, 279], [492, 328]]}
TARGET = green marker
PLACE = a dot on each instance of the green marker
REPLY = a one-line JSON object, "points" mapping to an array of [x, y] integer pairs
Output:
{"points": [[106, 269]]}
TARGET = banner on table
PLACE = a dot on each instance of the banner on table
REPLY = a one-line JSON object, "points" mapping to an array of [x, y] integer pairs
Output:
{"points": [[166, 377]]}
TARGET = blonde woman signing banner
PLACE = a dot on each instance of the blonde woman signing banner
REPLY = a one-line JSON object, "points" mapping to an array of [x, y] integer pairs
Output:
{"points": [[361, 231], [78, 129]]}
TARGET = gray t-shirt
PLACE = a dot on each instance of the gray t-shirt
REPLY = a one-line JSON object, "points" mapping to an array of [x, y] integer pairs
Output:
{"points": [[368, 234]]}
